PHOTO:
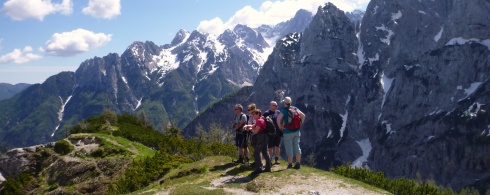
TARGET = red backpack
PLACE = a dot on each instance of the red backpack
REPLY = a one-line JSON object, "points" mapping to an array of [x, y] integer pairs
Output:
{"points": [[293, 121]]}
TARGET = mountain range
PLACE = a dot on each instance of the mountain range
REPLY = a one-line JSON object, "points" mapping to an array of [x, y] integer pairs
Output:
{"points": [[168, 84]]}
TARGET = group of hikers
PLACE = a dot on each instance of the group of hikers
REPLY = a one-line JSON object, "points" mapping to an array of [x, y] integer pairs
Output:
{"points": [[255, 125]]}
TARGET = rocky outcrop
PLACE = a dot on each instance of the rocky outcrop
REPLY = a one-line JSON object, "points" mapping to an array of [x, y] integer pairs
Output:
{"points": [[62, 174]]}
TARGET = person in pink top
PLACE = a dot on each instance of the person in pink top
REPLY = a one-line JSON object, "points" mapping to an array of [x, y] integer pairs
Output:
{"points": [[261, 142]]}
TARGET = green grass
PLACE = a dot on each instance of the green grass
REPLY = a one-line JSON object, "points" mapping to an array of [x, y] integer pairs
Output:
{"points": [[142, 149], [196, 189]]}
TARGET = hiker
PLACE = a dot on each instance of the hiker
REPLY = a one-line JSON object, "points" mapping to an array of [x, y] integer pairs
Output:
{"points": [[241, 138], [289, 125], [260, 144], [275, 140], [251, 121]]}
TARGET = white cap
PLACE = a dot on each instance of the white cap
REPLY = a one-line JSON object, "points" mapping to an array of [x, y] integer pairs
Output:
{"points": [[286, 100]]}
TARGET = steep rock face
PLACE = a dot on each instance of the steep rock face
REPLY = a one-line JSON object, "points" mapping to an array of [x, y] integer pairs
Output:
{"points": [[432, 60], [318, 70]]}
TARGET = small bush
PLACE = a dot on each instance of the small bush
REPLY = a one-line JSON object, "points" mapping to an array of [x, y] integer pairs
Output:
{"points": [[107, 151], [16, 185], [63, 147]]}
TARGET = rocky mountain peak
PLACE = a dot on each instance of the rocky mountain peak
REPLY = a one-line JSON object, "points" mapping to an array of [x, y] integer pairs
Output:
{"points": [[228, 38], [180, 37], [330, 32], [298, 24], [251, 37], [355, 16]]}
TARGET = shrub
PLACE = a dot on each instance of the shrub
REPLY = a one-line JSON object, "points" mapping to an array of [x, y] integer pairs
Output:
{"points": [[63, 147], [397, 186], [16, 186]]}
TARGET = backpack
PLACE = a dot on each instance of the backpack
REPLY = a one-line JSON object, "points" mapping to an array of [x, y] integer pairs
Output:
{"points": [[270, 129], [293, 121], [241, 128]]}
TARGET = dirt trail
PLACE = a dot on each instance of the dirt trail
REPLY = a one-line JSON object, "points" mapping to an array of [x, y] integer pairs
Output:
{"points": [[313, 185], [291, 181]]}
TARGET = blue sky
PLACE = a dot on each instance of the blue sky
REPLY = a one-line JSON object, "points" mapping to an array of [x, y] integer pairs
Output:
{"points": [[40, 38]]}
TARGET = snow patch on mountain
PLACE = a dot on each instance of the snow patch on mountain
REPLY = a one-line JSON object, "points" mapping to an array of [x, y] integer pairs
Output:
{"points": [[462, 41], [387, 39], [471, 89], [366, 147], [344, 124], [396, 15], [138, 104], [213, 43], [61, 112], [166, 60], [124, 80], [386, 85], [439, 34]]}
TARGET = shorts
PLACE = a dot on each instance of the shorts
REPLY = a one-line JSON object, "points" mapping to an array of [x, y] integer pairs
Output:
{"points": [[274, 141], [291, 143], [241, 140]]}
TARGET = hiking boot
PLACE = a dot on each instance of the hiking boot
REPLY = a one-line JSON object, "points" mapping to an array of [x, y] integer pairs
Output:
{"points": [[297, 166], [290, 166], [240, 160], [277, 161], [256, 172], [247, 160]]}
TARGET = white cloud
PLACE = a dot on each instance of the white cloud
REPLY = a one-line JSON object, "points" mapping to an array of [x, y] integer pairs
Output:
{"points": [[275, 12], [75, 42], [20, 56], [105, 9], [214, 26], [37, 9], [1, 40]]}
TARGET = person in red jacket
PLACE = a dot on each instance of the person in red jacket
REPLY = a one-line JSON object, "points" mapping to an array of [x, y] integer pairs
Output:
{"points": [[262, 140]]}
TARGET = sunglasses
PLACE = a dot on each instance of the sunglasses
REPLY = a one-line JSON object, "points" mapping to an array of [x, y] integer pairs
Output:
{"points": [[249, 109]]}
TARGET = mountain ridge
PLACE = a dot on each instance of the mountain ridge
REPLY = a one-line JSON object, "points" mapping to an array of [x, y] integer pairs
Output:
{"points": [[8, 90]]}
